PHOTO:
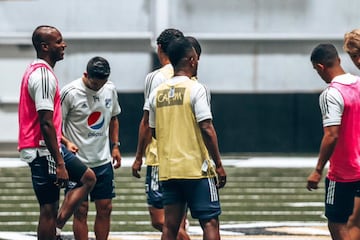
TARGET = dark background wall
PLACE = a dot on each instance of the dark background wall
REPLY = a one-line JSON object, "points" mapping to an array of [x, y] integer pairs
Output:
{"points": [[245, 123]]}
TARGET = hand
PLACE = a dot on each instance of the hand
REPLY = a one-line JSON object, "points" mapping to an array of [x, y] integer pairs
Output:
{"points": [[313, 180], [62, 177], [72, 147], [116, 158], [221, 177], [136, 167]]}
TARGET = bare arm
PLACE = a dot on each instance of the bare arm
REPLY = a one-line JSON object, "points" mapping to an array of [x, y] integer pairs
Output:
{"points": [[144, 138], [49, 133], [211, 142], [327, 146], [114, 138]]}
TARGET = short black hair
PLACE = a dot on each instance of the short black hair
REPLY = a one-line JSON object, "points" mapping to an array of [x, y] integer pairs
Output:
{"points": [[324, 53], [178, 49], [167, 36], [195, 43], [98, 68]]}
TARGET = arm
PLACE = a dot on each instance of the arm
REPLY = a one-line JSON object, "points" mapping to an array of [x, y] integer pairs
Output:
{"points": [[49, 133], [327, 146], [114, 139], [144, 138], [210, 139]]}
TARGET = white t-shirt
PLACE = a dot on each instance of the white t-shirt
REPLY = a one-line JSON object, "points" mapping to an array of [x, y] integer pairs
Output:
{"points": [[86, 118], [332, 103], [199, 97], [154, 79]]}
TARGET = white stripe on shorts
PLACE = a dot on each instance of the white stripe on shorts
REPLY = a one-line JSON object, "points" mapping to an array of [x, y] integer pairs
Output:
{"points": [[213, 191], [331, 193]]}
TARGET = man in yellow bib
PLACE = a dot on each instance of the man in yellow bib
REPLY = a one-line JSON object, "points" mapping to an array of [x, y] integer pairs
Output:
{"points": [[181, 120]]}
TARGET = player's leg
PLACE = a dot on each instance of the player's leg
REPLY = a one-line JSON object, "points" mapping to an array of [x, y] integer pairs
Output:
{"points": [[85, 180], [80, 226], [203, 202], [47, 221], [154, 197], [338, 231], [339, 205], [102, 195], [174, 208], [43, 174], [354, 220], [174, 214], [102, 219], [182, 234], [156, 217]]}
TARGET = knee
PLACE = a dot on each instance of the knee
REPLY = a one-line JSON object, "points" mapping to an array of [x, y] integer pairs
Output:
{"points": [[158, 225], [82, 212], [353, 221], [89, 179], [104, 210]]}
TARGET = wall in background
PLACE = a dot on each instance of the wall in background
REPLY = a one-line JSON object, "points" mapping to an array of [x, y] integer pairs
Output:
{"points": [[255, 59]]}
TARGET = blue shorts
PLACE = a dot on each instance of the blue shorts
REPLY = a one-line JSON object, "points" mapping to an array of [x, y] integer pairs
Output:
{"points": [[200, 195], [105, 184], [153, 187], [43, 174], [339, 199]]}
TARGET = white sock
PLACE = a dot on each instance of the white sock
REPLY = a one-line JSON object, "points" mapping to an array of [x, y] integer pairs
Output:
{"points": [[58, 231]]}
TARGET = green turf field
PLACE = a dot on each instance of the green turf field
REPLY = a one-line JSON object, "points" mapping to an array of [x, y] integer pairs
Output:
{"points": [[251, 194]]}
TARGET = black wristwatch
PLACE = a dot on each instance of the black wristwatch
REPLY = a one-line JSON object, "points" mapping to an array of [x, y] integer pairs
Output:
{"points": [[113, 144]]}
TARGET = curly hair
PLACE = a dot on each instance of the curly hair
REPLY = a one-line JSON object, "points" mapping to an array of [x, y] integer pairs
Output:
{"points": [[167, 36], [352, 41]]}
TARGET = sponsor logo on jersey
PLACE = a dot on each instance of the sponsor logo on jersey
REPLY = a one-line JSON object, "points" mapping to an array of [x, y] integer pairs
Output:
{"points": [[96, 120], [170, 97]]}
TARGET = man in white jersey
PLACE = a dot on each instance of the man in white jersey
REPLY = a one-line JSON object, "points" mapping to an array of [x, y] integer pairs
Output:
{"points": [[90, 108], [146, 144], [340, 145], [181, 120], [40, 135]]}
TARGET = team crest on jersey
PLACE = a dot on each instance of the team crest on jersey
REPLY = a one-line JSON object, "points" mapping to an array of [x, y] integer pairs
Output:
{"points": [[96, 120], [169, 97], [107, 102]]}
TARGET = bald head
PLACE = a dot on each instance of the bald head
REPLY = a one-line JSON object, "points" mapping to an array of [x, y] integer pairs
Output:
{"points": [[42, 34]]}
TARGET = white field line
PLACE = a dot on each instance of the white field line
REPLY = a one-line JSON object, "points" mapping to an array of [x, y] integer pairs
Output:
{"points": [[254, 162]]}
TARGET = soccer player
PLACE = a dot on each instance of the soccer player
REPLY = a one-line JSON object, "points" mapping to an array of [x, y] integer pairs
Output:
{"points": [[340, 145], [181, 120], [90, 108], [52, 166], [147, 144]]}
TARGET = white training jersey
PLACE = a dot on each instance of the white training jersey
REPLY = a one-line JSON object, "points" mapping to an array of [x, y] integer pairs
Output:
{"points": [[86, 118], [199, 97], [154, 79], [332, 103]]}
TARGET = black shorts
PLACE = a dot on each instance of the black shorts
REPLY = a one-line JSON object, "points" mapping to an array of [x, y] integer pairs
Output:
{"points": [[105, 184], [43, 174], [153, 189], [200, 195], [339, 199]]}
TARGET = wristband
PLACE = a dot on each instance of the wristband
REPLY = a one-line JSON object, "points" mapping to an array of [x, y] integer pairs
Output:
{"points": [[113, 144]]}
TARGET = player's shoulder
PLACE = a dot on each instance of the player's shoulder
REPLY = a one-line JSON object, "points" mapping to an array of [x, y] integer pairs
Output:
{"points": [[71, 88], [110, 85], [151, 75]]}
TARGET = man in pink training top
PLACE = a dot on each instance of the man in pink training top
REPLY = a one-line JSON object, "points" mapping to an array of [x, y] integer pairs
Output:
{"points": [[340, 145], [52, 166]]}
